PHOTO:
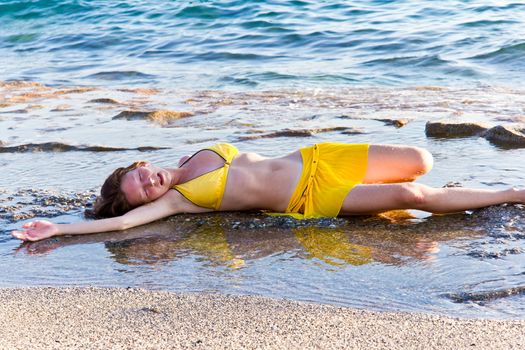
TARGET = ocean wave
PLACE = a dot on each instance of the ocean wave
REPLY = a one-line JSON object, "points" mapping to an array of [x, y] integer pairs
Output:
{"points": [[410, 61], [505, 54], [121, 75], [31, 10], [487, 22]]}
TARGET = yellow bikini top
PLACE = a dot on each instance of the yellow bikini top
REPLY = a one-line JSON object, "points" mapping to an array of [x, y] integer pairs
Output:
{"points": [[207, 190]]}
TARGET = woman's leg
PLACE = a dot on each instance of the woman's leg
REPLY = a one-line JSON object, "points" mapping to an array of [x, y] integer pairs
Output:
{"points": [[389, 163], [371, 199]]}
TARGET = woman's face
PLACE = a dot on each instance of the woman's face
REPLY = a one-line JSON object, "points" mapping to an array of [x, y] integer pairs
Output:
{"points": [[145, 184]]}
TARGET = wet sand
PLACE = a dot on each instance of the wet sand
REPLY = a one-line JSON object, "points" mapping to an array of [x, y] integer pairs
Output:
{"points": [[74, 318]]}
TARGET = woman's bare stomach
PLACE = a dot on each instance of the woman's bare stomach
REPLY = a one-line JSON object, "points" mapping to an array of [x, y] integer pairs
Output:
{"points": [[256, 182]]}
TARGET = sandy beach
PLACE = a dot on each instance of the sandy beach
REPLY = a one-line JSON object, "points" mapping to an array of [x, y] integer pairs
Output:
{"points": [[93, 318]]}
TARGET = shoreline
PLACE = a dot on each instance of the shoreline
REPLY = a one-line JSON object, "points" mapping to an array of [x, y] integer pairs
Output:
{"points": [[50, 318]]}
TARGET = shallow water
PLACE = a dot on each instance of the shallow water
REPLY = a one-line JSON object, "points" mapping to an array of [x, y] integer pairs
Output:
{"points": [[469, 265]]}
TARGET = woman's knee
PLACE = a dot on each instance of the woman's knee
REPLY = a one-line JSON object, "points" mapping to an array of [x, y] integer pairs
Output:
{"points": [[411, 195], [423, 161]]}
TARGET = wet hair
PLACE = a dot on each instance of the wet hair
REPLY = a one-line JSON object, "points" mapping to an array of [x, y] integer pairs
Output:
{"points": [[112, 201]]}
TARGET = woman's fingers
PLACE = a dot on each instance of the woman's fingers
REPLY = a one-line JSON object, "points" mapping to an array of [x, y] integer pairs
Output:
{"points": [[24, 235], [31, 224], [33, 231], [19, 234]]}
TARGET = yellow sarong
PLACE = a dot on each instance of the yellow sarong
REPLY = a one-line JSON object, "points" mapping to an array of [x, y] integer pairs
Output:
{"points": [[330, 171]]}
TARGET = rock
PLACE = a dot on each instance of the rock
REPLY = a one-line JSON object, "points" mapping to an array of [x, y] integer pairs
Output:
{"points": [[302, 132], [142, 91], [506, 135], [104, 100], [62, 108], [35, 107], [449, 129], [161, 116], [63, 147], [398, 123], [74, 91], [18, 111], [452, 184], [352, 131]]}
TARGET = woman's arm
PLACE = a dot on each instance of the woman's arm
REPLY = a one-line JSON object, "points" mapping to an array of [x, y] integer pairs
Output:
{"points": [[169, 204]]}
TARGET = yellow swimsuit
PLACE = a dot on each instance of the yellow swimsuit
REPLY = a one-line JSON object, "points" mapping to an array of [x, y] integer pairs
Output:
{"points": [[330, 171], [207, 190]]}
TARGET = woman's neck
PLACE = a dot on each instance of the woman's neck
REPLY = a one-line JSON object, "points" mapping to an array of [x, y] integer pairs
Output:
{"points": [[176, 175]]}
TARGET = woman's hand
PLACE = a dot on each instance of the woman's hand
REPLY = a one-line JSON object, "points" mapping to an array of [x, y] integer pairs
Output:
{"points": [[36, 230]]}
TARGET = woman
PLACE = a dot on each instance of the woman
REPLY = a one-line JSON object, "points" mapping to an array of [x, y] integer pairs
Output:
{"points": [[323, 180]]}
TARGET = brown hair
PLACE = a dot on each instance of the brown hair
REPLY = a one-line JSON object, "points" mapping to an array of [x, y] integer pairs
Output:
{"points": [[112, 201]]}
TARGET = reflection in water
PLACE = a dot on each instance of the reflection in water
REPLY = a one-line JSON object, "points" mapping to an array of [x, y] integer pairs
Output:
{"points": [[207, 243], [332, 247], [216, 247], [386, 239]]}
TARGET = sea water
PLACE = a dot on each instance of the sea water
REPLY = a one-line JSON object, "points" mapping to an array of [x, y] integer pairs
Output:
{"points": [[260, 44]]}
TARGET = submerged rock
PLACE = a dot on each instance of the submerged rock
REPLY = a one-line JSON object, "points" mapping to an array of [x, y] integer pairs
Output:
{"points": [[301, 132], [62, 108], [80, 90], [448, 129], [18, 111], [398, 123], [506, 136], [485, 296], [104, 100], [352, 131], [160, 116], [142, 91], [484, 254], [63, 147]]}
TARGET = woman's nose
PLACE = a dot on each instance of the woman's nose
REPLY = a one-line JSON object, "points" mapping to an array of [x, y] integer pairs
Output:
{"points": [[148, 181]]}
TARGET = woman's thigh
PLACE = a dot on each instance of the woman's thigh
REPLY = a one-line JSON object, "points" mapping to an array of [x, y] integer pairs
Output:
{"points": [[390, 163]]}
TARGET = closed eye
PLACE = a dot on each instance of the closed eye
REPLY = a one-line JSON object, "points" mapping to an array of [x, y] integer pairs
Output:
{"points": [[144, 191]]}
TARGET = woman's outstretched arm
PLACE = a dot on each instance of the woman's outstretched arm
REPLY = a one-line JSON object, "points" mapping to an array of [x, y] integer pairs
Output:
{"points": [[169, 204]]}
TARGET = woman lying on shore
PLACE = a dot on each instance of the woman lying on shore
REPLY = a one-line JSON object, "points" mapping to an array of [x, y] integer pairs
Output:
{"points": [[324, 180]]}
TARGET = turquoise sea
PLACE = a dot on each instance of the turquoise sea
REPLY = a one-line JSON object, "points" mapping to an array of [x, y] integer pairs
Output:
{"points": [[82, 84], [260, 44]]}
